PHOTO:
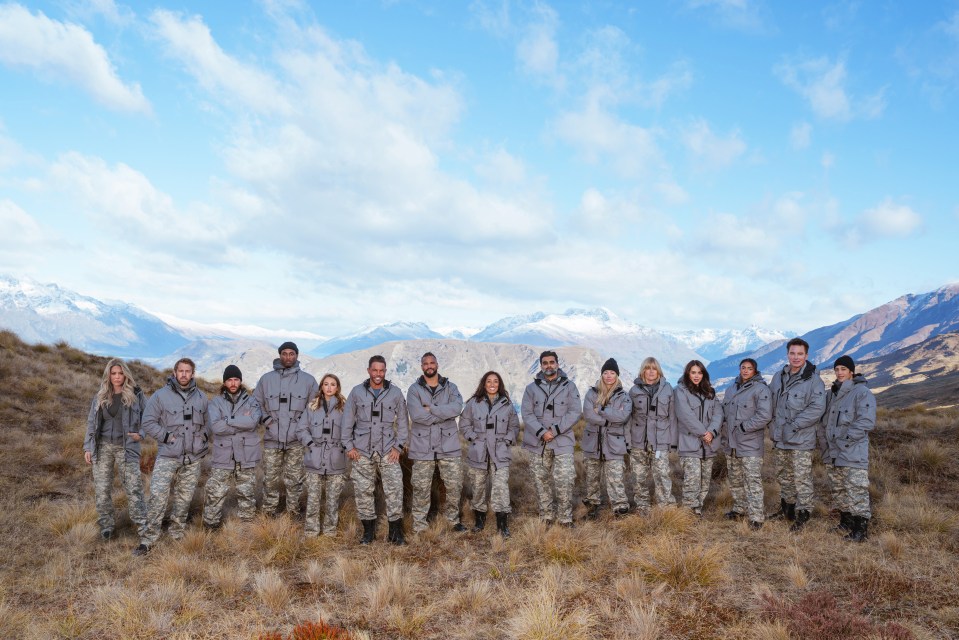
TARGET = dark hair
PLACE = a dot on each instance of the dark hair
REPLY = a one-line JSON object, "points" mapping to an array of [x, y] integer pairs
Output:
{"points": [[798, 342], [750, 361], [184, 361], [481, 387], [704, 388], [428, 353], [546, 354], [373, 359]]}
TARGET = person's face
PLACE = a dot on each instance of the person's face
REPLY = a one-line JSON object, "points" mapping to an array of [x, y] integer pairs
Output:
{"points": [[429, 366], [609, 378], [183, 374], [843, 373], [116, 376], [377, 372], [491, 385], [329, 387], [696, 375], [797, 357], [746, 371], [549, 366], [287, 358], [232, 384], [650, 375]]}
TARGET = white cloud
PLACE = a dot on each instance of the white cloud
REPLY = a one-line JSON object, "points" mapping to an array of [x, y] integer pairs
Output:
{"points": [[492, 16], [800, 135], [501, 167], [87, 10], [65, 52], [823, 84], [538, 51], [709, 150], [20, 230], [889, 219], [745, 15], [828, 160]]}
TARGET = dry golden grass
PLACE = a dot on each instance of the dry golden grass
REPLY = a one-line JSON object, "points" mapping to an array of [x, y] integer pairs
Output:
{"points": [[665, 575]]}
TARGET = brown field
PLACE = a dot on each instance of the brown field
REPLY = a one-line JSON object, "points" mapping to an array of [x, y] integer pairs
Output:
{"points": [[669, 575]]}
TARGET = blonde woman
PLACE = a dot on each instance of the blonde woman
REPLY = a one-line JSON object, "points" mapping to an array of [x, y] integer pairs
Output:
{"points": [[320, 431], [653, 433], [606, 440], [113, 437]]}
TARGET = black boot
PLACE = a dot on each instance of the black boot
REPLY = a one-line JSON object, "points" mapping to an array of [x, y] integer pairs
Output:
{"points": [[734, 515], [802, 517], [369, 531], [479, 520], [593, 512], [791, 512], [396, 532], [845, 522], [782, 513], [502, 523], [860, 529]]}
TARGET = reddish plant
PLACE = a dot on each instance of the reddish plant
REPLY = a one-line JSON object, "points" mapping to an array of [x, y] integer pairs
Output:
{"points": [[311, 631], [817, 615]]}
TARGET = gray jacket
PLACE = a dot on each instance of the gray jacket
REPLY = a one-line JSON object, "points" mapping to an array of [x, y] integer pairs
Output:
{"points": [[844, 429], [283, 395], [320, 430], [235, 439], [607, 433], [554, 406], [695, 416], [652, 423], [798, 403], [490, 429], [177, 420], [433, 433], [130, 418], [375, 424], [747, 410]]}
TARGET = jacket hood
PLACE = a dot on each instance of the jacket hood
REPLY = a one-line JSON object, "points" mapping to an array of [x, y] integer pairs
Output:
{"points": [[277, 366], [756, 379], [805, 374], [560, 376], [422, 381], [386, 384], [857, 378], [173, 384]]}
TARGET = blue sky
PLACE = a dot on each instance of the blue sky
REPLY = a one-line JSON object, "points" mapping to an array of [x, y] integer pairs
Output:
{"points": [[686, 164]]}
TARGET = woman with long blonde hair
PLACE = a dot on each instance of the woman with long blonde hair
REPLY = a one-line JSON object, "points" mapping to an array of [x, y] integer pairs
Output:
{"points": [[653, 436], [113, 437], [320, 431], [605, 440]]}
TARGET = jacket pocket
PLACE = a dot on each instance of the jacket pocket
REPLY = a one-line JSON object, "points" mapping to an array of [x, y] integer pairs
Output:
{"points": [[420, 441], [590, 441], [222, 451], [503, 451], [616, 444]]}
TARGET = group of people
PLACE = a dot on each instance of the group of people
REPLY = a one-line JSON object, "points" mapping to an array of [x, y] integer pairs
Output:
{"points": [[310, 430]]}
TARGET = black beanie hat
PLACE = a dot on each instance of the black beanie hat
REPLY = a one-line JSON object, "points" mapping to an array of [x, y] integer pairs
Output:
{"points": [[232, 371], [288, 345], [845, 361], [610, 365]]}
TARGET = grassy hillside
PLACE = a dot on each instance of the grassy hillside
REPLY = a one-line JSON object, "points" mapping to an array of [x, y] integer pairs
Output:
{"points": [[669, 575]]}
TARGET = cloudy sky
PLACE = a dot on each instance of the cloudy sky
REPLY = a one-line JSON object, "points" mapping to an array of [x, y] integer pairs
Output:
{"points": [[321, 166]]}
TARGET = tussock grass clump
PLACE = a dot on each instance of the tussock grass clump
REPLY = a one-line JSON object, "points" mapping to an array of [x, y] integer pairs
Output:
{"points": [[347, 572], [926, 456], [818, 615], [891, 544], [471, 597], [543, 616], [229, 579], [272, 589], [66, 516], [682, 565], [797, 575], [393, 583], [275, 541], [913, 511], [660, 521]]}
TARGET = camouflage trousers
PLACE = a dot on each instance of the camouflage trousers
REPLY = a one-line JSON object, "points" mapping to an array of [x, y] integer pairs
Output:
{"points": [[794, 473], [364, 483], [107, 456], [746, 485], [283, 467], [217, 486], [850, 489], [451, 473], [554, 472], [315, 484], [170, 475], [497, 495], [615, 472], [697, 475], [655, 464]]}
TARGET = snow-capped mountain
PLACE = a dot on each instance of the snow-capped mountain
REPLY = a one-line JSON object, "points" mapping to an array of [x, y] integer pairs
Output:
{"points": [[905, 321], [372, 336], [714, 344], [599, 329], [46, 313], [305, 340]]}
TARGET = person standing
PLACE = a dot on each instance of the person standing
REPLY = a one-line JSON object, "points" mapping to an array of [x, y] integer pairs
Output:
{"points": [[490, 425], [606, 440], [434, 403], [375, 425], [652, 435], [113, 437], [282, 395], [320, 431], [551, 406], [844, 441], [699, 417], [176, 417], [234, 416], [747, 409], [798, 401]]}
